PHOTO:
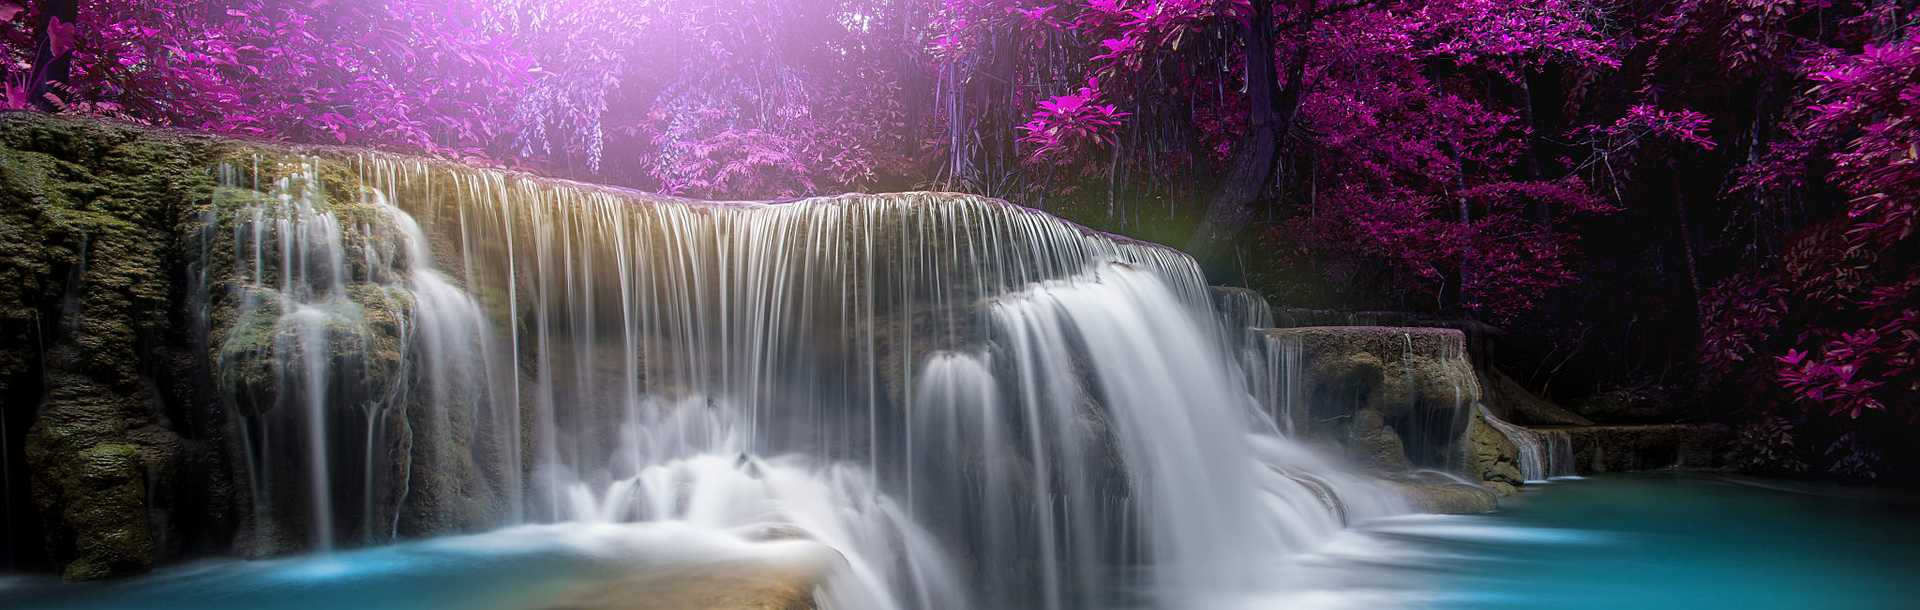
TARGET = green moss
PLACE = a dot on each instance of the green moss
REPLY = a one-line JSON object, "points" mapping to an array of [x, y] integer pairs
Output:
{"points": [[1450, 498], [1490, 456], [108, 509], [1374, 444], [85, 472], [94, 204], [246, 341], [90, 244], [382, 332]]}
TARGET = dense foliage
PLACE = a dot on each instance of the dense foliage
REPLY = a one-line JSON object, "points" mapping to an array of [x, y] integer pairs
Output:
{"points": [[1732, 183]]}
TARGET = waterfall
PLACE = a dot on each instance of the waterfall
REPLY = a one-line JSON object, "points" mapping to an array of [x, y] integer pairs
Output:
{"points": [[1274, 368], [1544, 454], [1276, 378], [1099, 361], [975, 404]]}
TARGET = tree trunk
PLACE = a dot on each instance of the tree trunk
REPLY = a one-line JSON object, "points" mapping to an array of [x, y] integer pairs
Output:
{"points": [[1686, 250], [1270, 109], [50, 67]]}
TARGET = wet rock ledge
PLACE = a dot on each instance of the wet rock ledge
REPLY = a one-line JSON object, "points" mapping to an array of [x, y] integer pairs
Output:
{"points": [[1408, 402]]}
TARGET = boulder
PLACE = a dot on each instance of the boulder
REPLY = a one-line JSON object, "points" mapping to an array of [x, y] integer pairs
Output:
{"points": [[1417, 381], [1433, 492], [1490, 457], [1451, 498], [1373, 444]]}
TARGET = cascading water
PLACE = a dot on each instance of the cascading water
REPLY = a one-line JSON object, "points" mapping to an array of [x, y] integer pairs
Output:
{"points": [[1274, 367], [975, 404], [1114, 373], [1544, 454]]}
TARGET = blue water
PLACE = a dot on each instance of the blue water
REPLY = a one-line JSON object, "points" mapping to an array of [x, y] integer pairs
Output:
{"points": [[512, 569], [1650, 541], [1627, 541]]}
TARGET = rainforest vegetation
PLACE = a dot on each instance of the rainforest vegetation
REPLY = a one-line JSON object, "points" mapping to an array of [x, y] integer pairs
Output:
{"points": [[1691, 210]]}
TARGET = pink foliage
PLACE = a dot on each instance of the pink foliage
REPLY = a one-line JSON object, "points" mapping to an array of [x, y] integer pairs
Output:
{"points": [[1411, 148], [1644, 123], [1741, 314], [1508, 39], [1852, 280], [1832, 381], [411, 74], [1064, 123], [562, 86]]}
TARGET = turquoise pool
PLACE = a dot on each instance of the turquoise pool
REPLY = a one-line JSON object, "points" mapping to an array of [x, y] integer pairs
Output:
{"points": [[1647, 541]]}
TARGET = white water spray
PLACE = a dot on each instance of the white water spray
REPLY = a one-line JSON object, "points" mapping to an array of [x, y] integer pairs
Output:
{"points": [[974, 404], [1544, 454]]}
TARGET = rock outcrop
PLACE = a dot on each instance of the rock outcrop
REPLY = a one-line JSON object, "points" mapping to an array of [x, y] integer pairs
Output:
{"points": [[1398, 399], [1490, 457], [1451, 498], [1647, 447], [1515, 403], [97, 377], [1397, 396]]}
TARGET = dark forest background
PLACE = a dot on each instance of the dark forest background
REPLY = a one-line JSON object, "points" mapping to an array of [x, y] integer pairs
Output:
{"points": [[1660, 211]]}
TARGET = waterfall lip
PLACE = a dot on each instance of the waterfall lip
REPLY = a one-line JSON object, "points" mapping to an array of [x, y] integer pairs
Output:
{"points": [[645, 196]]}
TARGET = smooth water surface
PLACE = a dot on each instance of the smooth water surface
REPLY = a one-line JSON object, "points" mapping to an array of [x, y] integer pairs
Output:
{"points": [[518, 568], [1648, 541], [1620, 541]]}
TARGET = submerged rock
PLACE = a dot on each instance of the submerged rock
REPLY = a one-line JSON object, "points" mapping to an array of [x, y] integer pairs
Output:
{"points": [[1451, 498], [1432, 491], [720, 585]]}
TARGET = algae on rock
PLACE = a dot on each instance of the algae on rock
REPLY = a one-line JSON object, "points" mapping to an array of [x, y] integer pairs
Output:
{"points": [[1416, 381], [91, 263], [1491, 457]]}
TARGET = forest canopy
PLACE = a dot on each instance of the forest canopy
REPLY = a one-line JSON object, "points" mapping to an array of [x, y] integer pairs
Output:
{"points": [[1682, 199]]}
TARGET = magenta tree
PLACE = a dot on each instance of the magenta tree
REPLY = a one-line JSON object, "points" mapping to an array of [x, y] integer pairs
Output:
{"points": [[1730, 184]]}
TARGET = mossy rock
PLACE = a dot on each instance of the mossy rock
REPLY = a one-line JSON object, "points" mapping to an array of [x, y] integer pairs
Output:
{"points": [[106, 507], [1353, 373], [1373, 444], [91, 251], [244, 356], [88, 484], [1424, 383], [1491, 458], [1390, 370], [1631, 406], [1450, 498], [1418, 381]]}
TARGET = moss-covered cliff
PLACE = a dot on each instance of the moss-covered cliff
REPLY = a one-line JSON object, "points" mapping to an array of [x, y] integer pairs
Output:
{"points": [[97, 371]]}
